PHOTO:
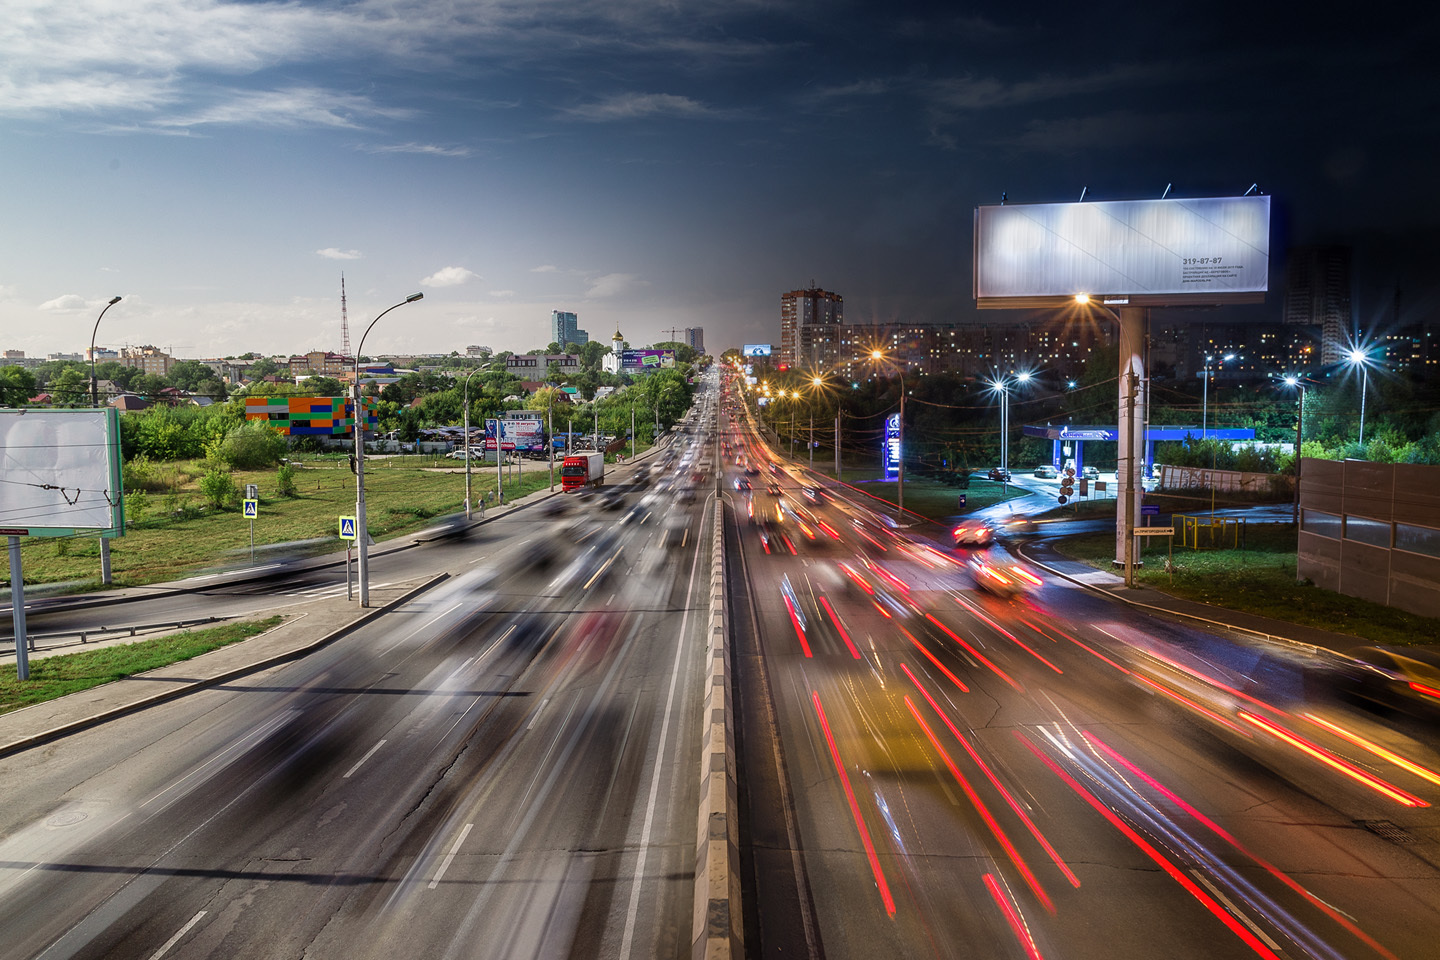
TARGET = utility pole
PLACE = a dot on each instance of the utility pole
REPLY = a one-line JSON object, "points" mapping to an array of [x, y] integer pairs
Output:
{"points": [[1134, 379], [837, 445], [812, 441]]}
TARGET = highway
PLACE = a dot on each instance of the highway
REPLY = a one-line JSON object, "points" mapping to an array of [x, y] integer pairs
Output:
{"points": [[507, 766], [932, 770]]}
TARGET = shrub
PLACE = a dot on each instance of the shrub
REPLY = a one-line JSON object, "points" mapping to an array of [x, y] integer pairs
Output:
{"points": [[219, 488], [285, 480], [139, 474], [249, 446], [137, 504]]}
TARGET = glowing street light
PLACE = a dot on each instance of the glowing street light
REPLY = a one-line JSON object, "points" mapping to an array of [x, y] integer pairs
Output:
{"points": [[1205, 397], [1360, 358], [1001, 385]]}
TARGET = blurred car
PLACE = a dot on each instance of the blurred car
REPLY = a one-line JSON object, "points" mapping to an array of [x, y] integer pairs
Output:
{"points": [[1392, 679], [1092, 473], [1002, 577], [612, 500], [973, 533], [999, 475], [814, 494], [1046, 472], [752, 470], [742, 484], [1020, 523], [773, 489]]}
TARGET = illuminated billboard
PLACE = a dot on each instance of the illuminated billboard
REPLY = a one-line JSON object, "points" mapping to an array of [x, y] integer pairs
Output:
{"points": [[756, 350], [633, 360], [891, 451], [1206, 250]]}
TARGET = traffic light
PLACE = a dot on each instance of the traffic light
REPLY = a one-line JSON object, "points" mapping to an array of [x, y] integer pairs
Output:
{"points": [[1067, 485]]}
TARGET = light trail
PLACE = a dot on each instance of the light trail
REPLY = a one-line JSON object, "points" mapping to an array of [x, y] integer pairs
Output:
{"points": [[880, 883], [973, 652], [1333, 761]]}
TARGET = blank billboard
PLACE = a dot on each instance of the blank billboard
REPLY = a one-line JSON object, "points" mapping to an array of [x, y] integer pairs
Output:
{"points": [[1176, 250], [60, 473]]}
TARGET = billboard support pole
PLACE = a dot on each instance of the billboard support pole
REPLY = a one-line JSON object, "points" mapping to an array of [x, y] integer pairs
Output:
{"points": [[17, 612], [837, 445], [1133, 321]]}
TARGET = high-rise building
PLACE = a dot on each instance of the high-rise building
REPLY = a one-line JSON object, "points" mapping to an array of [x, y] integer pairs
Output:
{"points": [[809, 321], [147, 359], [565, 330], [1317, 294], [695, 339]]}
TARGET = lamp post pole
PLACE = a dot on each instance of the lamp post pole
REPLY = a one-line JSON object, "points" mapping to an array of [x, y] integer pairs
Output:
{"points": [[1299, 440], [550, 436], [105, 576], [467, 441], [362, 533], [1364, 389]]}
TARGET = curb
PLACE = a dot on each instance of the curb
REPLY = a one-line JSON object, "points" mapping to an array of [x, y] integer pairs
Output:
{"points": [[1121, 598], [717, 929], [67, 729]]}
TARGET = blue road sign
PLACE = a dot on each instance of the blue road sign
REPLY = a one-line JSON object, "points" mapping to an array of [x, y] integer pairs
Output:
{"points": [[1149, 510], [252, 509], [347, 528], [962, 500]]}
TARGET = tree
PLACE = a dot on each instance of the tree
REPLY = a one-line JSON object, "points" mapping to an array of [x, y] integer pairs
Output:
{"points": [[189, 374], [72, 385], [324, 387], [591, 355], [264, 367], [17, 386]]}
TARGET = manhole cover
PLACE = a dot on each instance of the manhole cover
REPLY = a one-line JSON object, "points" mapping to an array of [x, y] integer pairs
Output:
{"points": [[1388, 830], [67, 819]]}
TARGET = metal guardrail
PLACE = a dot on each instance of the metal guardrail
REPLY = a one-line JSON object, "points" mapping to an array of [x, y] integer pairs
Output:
{"points": [[85, 636]]}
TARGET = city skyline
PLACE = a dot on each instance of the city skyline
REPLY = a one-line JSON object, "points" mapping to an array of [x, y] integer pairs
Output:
{"points": [[218, 164]]}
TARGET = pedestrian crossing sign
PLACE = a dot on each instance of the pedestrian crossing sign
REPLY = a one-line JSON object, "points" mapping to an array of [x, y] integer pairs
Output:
{"points": [[347, 528], [252, 508]]}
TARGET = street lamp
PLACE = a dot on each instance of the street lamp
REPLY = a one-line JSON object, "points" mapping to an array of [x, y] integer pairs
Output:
{"points": [[362, 532], [95, 402], [94, 384], [1205, 395], [467, 439], [1360, 358], [1002, 386], [1298, 383]]}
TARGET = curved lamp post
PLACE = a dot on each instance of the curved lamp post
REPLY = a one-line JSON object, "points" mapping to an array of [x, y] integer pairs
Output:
{"points": [[1298, 383], [94, 384], [362, 533]]}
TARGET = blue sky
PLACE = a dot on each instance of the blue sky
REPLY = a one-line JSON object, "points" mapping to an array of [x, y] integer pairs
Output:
{"points": [[647, 165]]}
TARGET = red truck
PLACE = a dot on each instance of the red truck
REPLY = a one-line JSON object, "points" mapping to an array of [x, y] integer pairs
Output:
{"points": [[582, 470]]}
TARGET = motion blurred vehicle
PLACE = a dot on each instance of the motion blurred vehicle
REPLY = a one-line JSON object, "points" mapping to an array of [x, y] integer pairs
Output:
{"points": [[773, 489], [1390, 679], [973, 533], [742, 484], [611, 501], [752, 470], [814, 494], [1001, 576], [1046, 472], [1092, 473], [999, 475], [1020, 523]]}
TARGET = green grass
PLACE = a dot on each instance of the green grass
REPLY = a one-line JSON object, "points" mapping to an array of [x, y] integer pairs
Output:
{"points": [[56, 676], [177, 534], [1261, 580]]}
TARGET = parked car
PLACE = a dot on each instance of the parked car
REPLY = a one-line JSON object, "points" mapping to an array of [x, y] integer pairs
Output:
{"points": [[999, 475], [1046, 472], [1092, 473], [460, 454]]}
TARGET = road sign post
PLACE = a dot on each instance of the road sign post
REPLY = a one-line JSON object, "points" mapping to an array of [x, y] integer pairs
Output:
{"points": [[347, 533], [251, 511]]}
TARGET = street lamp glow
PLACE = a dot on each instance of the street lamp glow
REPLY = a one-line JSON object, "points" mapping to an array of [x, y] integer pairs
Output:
{"points": [[1082, 298]]}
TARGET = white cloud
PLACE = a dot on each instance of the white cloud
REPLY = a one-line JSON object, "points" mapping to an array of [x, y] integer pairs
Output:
{"points": [[291, 107], [615, 284], [545, 268], [69, 303], [429, 149], [493, 293], [335, 253], [449, 277], [639, 106]]}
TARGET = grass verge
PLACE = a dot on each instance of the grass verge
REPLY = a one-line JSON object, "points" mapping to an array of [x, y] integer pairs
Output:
{"points": [[929, 498], [1261, 580], [56, 676]]}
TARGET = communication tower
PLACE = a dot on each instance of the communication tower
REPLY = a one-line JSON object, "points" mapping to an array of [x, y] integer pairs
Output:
{"points": [[344, 321]]}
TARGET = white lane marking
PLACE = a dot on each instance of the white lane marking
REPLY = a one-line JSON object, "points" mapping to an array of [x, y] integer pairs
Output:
{"points": [[450, 857], [178, 934], [538, 711], [367, 756], [627, 942], [1235, 911]]}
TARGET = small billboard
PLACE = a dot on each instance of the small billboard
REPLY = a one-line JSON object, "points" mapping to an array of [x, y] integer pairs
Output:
{"points": [[520, 430], [633, 360], [1206, 250], [756, 350], [891, 451]]}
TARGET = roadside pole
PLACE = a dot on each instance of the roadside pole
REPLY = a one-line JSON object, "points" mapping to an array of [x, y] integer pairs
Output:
{"points": [[17, 612]]}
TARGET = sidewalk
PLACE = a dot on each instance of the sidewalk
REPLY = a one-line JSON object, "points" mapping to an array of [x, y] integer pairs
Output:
{"points": [[314, 626]]}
